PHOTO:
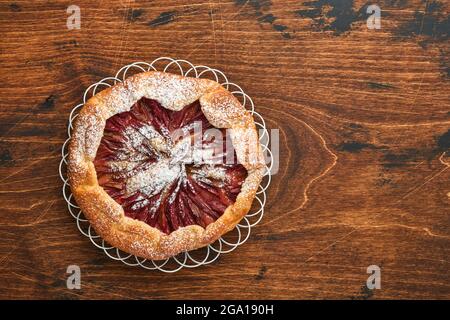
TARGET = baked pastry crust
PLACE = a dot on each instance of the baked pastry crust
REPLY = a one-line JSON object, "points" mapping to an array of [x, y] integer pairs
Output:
{"points": [[173, 92]]}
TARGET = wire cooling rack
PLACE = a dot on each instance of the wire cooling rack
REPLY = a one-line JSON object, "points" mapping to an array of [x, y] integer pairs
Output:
{"points": [[226, 243]]}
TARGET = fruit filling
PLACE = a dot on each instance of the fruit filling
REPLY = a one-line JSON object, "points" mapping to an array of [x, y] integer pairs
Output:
{"points": [[167, 168]]}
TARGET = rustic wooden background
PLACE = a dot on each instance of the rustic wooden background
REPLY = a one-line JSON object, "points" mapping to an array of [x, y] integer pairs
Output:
{"points": [[364, 120]]}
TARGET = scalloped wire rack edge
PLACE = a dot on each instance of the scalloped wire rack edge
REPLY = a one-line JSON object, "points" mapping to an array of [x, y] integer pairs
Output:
{"points": [[211, 252]]}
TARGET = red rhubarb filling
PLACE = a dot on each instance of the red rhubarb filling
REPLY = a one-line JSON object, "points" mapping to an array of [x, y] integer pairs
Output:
{"points": [[167, 168]]}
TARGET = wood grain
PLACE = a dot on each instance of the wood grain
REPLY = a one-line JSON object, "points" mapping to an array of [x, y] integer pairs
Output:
{"points": [[364, 120]]}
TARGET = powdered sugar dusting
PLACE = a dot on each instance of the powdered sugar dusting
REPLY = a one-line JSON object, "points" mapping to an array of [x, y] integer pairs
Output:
{"points": [[209, 173], [153, 180], [222, 110]]}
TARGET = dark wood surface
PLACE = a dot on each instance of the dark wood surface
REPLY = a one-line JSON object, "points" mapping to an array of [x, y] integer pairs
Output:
{"points": [[364, 120]]}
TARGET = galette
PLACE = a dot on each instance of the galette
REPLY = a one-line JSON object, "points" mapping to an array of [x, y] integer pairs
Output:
{"points": [[161, 163]]}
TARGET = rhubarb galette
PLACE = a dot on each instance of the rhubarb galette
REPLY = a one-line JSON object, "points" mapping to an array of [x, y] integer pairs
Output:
{"points": [[161, 164]]}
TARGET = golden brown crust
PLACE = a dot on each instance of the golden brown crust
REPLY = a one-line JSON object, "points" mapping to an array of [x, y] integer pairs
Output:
{"points": [[106, 216]]}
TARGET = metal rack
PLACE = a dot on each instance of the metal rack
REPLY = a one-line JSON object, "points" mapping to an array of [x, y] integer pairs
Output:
{"points": [[199, 257]]}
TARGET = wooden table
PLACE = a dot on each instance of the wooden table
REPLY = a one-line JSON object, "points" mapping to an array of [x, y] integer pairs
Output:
{"points": [[364, 120]]}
